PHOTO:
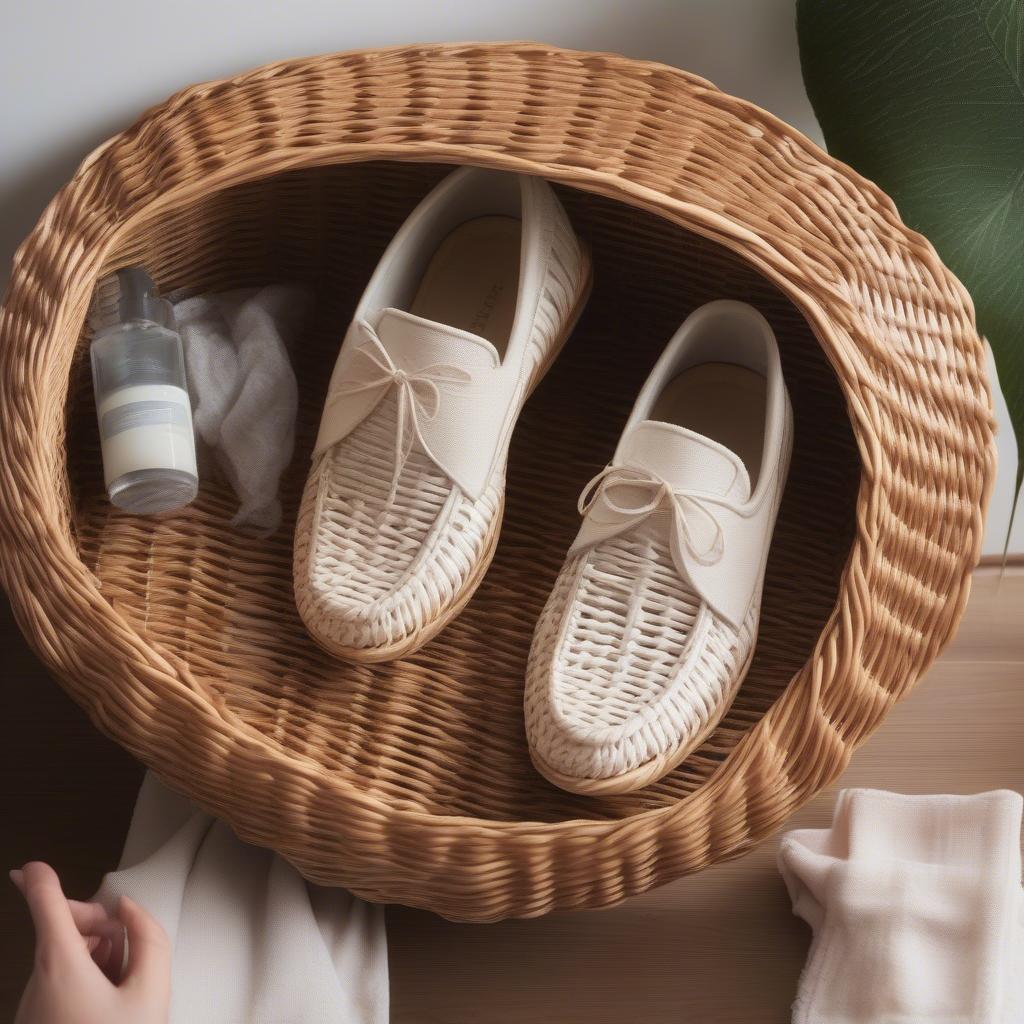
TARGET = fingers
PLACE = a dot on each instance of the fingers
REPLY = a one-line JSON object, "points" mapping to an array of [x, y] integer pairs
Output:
{"points": [[87, 930], [92, 918], [104, 936], [51, 915], [149, 951], [105, 958]]}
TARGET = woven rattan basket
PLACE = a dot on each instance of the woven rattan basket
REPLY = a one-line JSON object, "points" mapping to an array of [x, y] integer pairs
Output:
{"points": [[410, 781]]}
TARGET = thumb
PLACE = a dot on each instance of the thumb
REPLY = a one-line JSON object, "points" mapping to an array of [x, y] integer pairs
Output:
{"points": [[149, 949], [55, 927]]}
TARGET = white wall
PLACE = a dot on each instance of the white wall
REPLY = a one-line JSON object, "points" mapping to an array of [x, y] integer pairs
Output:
{"points": [[73, 73]]}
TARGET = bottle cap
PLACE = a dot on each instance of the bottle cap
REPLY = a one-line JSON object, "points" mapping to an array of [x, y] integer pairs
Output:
{"points": [[125, 296]]}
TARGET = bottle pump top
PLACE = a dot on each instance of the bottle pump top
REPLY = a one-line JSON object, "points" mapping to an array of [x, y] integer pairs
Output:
{"points": [[128, 296]]}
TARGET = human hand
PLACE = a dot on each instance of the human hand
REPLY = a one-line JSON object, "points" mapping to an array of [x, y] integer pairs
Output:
{"points": [[78, 976]]}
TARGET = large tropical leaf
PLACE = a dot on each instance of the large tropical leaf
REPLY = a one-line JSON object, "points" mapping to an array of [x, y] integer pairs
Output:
{"points": [[926, 97]]}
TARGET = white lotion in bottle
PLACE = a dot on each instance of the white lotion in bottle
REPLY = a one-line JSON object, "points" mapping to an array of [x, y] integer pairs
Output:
{"points": [[142, 403]]}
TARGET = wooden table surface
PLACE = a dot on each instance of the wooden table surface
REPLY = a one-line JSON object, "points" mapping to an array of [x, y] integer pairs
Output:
{"points": [[720, 946]]}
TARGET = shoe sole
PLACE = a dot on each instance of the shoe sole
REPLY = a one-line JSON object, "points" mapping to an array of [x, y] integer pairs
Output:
{"points": [[422, 636]]}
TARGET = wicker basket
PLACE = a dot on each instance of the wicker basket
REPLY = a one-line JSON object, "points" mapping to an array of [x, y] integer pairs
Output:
{"points": [[410, 782]]}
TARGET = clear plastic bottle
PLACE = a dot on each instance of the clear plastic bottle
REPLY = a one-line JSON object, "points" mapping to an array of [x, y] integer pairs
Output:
{"points": [[142, 403]]}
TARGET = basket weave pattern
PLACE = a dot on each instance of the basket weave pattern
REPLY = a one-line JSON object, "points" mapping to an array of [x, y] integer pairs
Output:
{"points": [[410, 781]]}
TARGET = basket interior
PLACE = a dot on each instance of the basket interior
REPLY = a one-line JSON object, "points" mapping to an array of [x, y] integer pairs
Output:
{"points": [[442, 731]]}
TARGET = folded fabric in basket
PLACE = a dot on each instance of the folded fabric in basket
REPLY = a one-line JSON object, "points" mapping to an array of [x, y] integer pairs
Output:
{"points": [[917, 910], [252, 942], [243, 389]]}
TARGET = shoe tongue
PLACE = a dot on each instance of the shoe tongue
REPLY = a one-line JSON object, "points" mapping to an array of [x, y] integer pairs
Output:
{"points": [[416, 342], [686, 460]]}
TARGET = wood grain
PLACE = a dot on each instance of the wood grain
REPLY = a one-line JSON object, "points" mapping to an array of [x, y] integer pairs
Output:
{"points": [[719, 946]]}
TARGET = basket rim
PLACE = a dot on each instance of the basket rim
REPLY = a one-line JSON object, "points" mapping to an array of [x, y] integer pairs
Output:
{"points": [[19, 537]]}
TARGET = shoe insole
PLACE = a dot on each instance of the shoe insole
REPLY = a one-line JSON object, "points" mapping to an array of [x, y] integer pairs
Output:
{"points": [[472, 280], [723, 402]]}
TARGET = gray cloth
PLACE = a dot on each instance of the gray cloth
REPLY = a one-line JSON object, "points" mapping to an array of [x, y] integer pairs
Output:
{"points": [[243, 390]]}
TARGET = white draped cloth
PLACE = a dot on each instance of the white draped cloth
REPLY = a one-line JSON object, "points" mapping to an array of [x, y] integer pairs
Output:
{"points": [[253, 943], [917, 910]]}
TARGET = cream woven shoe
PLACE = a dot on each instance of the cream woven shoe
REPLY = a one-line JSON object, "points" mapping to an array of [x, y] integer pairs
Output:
{"points": [[651, 625], [461, 319]]}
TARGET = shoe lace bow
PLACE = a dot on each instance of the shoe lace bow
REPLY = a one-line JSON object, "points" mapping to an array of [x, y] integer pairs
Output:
{"points": [[686, 506], [418, 394]]}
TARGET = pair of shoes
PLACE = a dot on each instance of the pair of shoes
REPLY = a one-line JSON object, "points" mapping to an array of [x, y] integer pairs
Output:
{"points": [[651, 624]]}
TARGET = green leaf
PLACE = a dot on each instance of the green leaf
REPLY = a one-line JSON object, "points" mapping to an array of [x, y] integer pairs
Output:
{"points": [[926, 97]]}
